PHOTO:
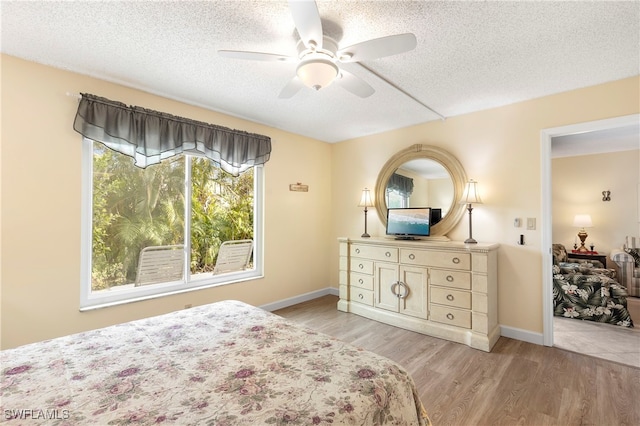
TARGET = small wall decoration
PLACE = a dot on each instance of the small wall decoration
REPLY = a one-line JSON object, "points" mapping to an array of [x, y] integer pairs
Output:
{"points": [[298, 187], [606, 195]]}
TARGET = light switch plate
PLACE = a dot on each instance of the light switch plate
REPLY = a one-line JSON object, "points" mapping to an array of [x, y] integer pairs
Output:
{"points": [[516, 222], [531, 223]]}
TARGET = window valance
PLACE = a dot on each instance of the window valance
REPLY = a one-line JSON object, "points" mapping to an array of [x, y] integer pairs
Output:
{"points": [[151, 136], [402, 184]]}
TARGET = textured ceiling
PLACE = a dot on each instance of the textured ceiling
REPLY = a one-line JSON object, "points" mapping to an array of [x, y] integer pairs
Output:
{"points": [[470, 55]]}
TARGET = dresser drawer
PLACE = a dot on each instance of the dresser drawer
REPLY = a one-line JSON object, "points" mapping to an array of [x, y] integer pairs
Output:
{"points": [[387, 254], [450, 297], [453, 279], [451, 316], [438, 259], [362, 266], [362, 296], [361, 281]]}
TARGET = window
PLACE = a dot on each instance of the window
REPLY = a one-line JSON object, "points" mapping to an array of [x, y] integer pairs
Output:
{"points": [[183, 201], [399, 189], [397, 199]]}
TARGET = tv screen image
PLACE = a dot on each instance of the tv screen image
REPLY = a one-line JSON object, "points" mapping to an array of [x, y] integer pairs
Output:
{"points": [[409, 222]]}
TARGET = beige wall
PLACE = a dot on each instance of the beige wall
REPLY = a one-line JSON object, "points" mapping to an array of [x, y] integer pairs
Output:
{"points": [[41, 200], [40, 210], [500, 148], [577, 185]]}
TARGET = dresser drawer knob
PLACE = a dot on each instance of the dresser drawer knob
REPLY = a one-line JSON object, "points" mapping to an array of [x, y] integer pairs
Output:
{"points": [[450, 297], [450, 316], [450, 278], [412, 256], [361, 266], [455, 260], [358, 250], [388, 254], [361, 281], [360, 295]]}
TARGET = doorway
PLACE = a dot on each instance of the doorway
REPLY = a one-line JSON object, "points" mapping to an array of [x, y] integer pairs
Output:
{"points": [[546, 139]]}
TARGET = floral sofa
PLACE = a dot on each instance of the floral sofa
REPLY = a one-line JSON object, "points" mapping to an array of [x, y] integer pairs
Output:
{"points": [[586, 290], [628, 260]]}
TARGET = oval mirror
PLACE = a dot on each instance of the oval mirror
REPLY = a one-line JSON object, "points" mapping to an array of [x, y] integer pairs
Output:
{"points": [[423, 176]]}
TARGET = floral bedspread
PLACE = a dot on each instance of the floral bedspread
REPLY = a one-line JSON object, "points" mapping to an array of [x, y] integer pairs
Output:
{"points": [[226, 363], [587, 293]]}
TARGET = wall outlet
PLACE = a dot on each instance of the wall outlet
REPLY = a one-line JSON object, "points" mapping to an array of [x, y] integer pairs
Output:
{"points": [[531, 223], [516, 222]]}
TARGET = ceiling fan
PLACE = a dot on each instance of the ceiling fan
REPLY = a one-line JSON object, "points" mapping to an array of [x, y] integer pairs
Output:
{"points": [[319, 55]]}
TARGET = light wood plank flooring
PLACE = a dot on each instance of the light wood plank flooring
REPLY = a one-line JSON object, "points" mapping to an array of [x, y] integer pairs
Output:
{"points": [[518, 383]]}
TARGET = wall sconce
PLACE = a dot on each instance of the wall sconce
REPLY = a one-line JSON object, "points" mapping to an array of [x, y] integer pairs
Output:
{"points": [[606, 195], [582, 221], [365, 202], [469, 197]]}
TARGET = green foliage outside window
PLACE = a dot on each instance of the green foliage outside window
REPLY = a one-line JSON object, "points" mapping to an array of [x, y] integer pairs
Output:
{"points": [[135, 208]]}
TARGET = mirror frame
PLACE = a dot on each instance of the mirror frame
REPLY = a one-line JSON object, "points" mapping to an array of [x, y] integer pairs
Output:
{"points": [[448, 161]]}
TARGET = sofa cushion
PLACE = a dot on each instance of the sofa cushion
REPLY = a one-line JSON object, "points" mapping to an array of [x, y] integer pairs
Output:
{"points": [[635, 253], [559, 254], [585, 268]]}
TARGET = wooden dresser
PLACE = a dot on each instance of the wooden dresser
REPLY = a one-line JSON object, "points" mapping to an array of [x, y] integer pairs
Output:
{"points": [[443, 289]]}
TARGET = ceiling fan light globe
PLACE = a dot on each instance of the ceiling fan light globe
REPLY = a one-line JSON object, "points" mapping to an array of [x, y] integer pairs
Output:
{"points": [[317, 73]]}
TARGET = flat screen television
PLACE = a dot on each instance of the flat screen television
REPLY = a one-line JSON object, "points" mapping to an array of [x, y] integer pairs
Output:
{"points": [[409, 223]]}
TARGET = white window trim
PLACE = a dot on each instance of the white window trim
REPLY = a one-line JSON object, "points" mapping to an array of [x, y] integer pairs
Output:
{"points": [[115, 296]]}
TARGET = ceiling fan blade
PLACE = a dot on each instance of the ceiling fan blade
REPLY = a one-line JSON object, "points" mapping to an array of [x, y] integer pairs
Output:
{"points": [[255, 56], [307, 20], [294, 85], [378, 48], [354, 84]]}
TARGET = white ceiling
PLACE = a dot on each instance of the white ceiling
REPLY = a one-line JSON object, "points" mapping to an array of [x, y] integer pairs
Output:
{"points": [[623, 138], [470, 55]]}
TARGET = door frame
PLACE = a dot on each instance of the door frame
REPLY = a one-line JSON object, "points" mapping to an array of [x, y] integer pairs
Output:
{"points": [[546, 140]]}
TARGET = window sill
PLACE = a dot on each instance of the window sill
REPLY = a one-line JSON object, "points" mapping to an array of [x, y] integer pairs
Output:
{"points": [[130, 294]]}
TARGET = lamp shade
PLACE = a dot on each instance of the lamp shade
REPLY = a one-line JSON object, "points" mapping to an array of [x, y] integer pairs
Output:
{"points": [[366, 200], [317, 73], [470, 194], [582, 221]]}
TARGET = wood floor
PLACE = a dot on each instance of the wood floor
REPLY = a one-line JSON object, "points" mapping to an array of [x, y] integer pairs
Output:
{"points": [[518, 383]]}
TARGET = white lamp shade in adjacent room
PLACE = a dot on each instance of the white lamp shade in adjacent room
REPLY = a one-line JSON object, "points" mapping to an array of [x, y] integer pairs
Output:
{"points": [[582, 221]]}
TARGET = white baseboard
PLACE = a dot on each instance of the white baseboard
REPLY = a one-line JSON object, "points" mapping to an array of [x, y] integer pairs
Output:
{"points": [[299, 299], [520, 334], [510, 332]]}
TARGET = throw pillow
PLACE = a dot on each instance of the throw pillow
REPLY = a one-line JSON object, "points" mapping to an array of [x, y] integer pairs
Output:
{"points": [[635, 253]]}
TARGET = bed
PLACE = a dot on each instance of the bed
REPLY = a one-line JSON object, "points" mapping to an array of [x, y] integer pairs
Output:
{"points": [[226, 363]]}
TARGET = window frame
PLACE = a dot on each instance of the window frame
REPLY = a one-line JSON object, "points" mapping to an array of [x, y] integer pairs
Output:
{"points": [[90, 300]]}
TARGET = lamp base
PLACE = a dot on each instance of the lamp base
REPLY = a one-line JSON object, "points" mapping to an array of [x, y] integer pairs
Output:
{"points": [[470, 241], [583, 236], [365, 235]]}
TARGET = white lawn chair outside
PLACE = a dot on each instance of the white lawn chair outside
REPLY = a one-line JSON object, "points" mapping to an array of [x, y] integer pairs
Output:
{"points": [[233, 256], [160, 264]]}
